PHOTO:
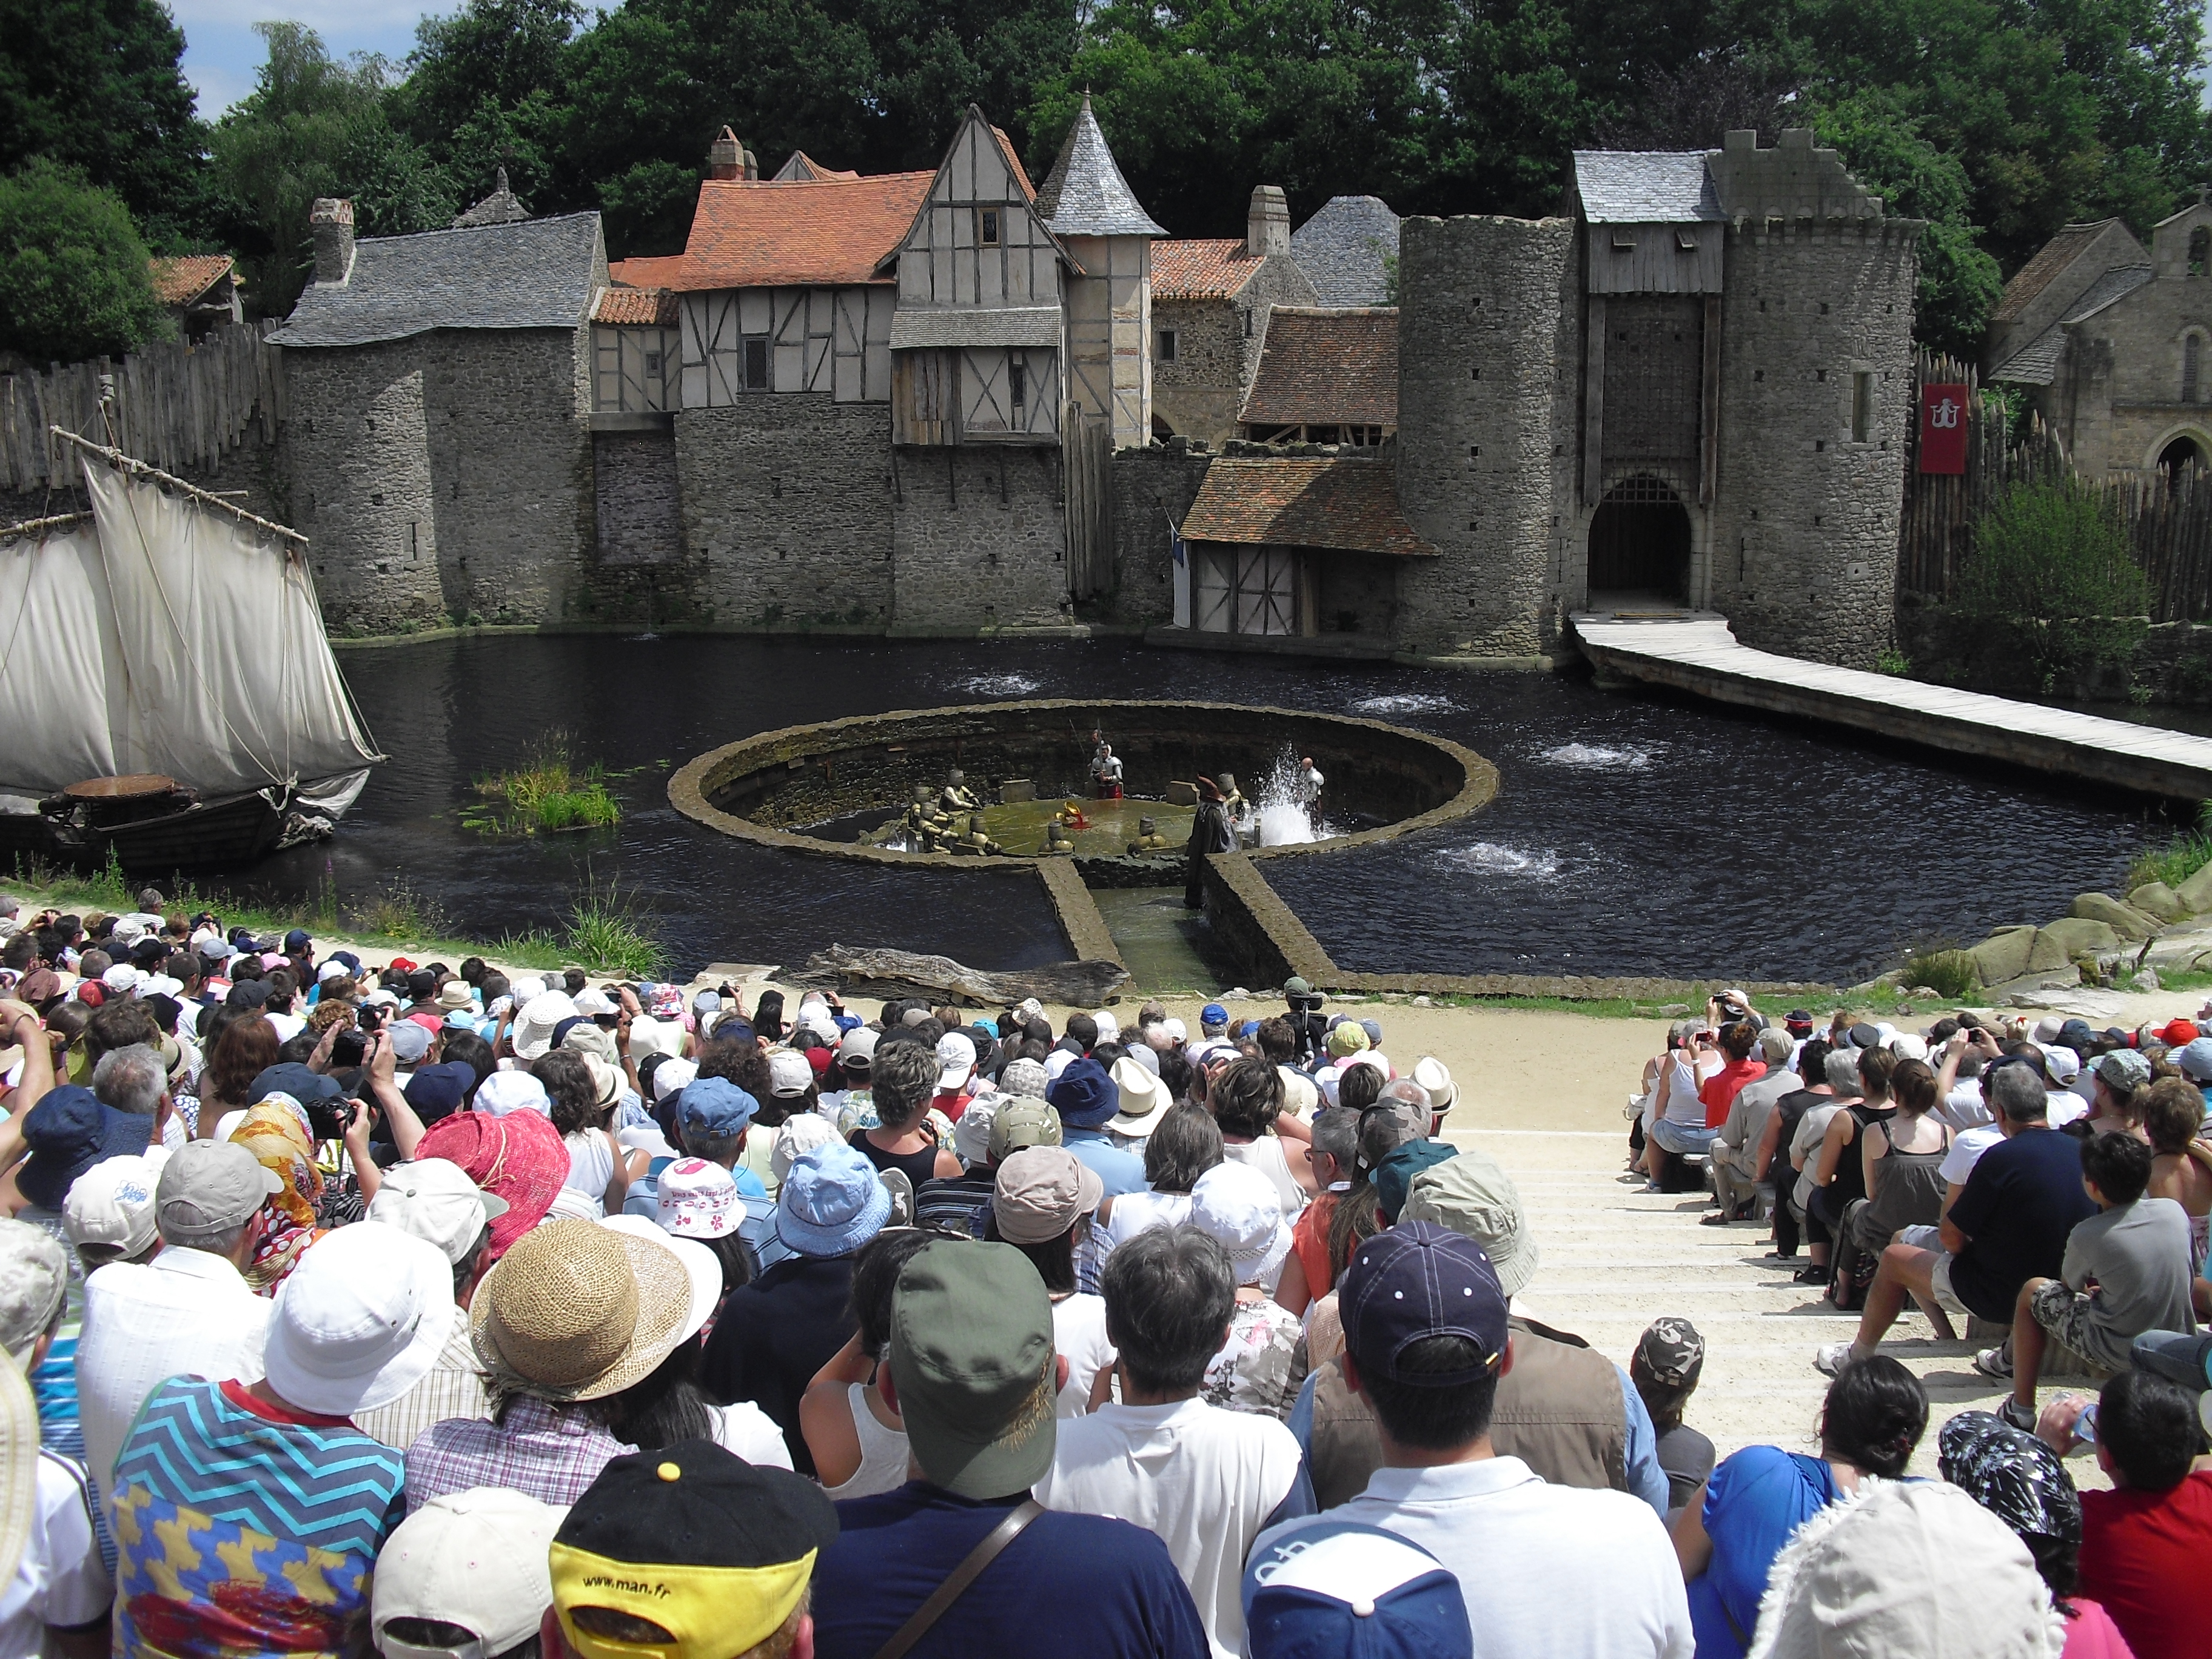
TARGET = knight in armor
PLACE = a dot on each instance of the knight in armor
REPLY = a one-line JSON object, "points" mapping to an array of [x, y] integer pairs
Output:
{"points": [[1057, 840], [924, 824], [956, 797], [1105, 771], [976, 842], [1148, 838], [1210, 832], [1232, 800]]}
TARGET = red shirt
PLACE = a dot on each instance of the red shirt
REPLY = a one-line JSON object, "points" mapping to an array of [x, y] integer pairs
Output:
{"points": [[1718, 1091], [951, 1104], [2144, 1555]]}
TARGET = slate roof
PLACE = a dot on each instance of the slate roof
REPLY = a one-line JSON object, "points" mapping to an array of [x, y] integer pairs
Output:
{"points": [[180, 281], [1645, 187], [1340, 250], [537, 274], [801, 166], [765, 232], [501, 207], [1322, 367], [1348, 504], [648, 308], [2036, 363], [1085, 194], [2038, 273], [1202, 269]]}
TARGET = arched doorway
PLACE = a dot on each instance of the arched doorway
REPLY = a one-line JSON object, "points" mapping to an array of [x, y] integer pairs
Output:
{"points": [[2184, 451], [1639, 544]]}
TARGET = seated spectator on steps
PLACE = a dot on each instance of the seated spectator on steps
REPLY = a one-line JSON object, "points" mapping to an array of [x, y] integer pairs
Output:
{"points": [[1769, 1161], [2021, 1481], [2126, 1272], [1429, 1341], [2181, 1166], [857, 1441], [1334, 1157], [1669, 1357], [1698, 1095], [972, 1372], [1208, 1481], [1735, 1165], [2144, 1544], [2008, 1225], [1875, 1416], [1806, 1141]]}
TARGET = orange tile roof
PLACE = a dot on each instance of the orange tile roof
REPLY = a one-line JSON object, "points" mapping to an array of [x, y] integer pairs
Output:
{"points": [[646, 306], [1013, 161], [748, 233], [1304, 502], [1325, 367], [1202, 269], [179, 281]]}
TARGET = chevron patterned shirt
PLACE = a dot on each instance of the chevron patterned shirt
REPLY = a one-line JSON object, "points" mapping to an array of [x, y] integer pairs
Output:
{"points": [[245, 1530]]}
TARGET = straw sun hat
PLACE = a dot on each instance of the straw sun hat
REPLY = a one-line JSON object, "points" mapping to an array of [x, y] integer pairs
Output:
{"points": [[578, 1311]]}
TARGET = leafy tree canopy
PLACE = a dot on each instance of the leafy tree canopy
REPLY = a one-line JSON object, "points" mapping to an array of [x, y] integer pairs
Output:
{"points": [[73, 277]]}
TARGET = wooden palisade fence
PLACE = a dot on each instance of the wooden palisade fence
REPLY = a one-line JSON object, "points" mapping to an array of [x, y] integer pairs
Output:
{"points": [[2167, 517], [180, 408]]}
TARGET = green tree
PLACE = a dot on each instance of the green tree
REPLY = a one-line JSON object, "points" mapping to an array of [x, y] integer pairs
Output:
{"points": [[487, 87], [313, 126], [74, 278], [95, 85]]}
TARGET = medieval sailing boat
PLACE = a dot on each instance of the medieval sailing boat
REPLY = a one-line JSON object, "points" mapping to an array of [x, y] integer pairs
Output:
{"points": [[167, 691]]}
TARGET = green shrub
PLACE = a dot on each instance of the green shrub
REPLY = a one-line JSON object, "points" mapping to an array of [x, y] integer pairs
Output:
{"points": [[1951, 973], [75, 282], [2052, 578]]}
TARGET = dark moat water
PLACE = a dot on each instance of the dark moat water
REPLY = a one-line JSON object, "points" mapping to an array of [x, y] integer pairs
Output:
{"points": [[1633, 833]]}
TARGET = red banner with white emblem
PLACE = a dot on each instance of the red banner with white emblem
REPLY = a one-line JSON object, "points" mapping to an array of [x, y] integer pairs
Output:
{"points": [[1943, 429]]}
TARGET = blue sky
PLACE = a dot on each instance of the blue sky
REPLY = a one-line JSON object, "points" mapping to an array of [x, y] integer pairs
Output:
{"points": [[222, 52]]}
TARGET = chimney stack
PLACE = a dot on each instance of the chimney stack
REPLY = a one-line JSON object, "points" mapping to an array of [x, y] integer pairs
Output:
{"points": [[332, 221], [1267, 226], [728, 159]]}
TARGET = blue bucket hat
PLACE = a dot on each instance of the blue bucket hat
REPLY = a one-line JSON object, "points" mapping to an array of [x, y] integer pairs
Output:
{"points": [[715, 1106], [68, 1131], [1084, 1096], [831, 1203]]}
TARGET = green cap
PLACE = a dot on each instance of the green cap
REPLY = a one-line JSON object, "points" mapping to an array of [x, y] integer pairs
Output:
{"points": [[971, 1355], [1469, 1194], [1023, 1122], [1295, 986]]}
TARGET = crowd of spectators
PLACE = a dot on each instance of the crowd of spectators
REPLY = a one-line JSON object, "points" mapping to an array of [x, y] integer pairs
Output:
{"points": [[444, 1311]]}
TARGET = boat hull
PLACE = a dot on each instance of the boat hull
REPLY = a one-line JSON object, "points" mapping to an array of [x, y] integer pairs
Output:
{"points": [[204, 836]]}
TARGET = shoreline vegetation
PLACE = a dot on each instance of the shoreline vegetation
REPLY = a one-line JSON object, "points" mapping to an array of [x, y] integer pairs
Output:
{"points": [[606, 930]]}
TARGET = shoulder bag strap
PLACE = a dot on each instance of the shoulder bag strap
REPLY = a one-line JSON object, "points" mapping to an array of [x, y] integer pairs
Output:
{"points": [[995, 1541]]}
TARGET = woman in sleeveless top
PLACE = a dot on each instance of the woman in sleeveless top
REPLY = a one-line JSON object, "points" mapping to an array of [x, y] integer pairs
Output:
{"points": [[902, 1140], [2181, 1168], [1839, 1178], [1184, 1146], [857, 1442], [1902, 1161]]}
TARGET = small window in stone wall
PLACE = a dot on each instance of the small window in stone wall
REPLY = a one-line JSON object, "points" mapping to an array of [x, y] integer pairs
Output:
{"points": [[2192, 352], [756, 363], [1165, 345], [1862, 406], [2200, 251]]}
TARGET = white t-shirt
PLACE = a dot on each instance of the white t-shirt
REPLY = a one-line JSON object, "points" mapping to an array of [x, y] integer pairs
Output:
{"points": [[186, 1313], [591, 1162], [746, 1430], [1966, 1150], [1079, 1332], [1207, 1481], [61, 1579], [2063, 1106], [1964, 1108], [287, 1026], [1524, 1553]]}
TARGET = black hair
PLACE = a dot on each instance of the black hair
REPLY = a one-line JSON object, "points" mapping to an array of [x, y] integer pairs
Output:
{"points": [[767, 1016], [2150, 1427], [568, 1085], [1084, 1029], [1358, 1087], [1247, 1097], [473, 971], [1433, 1418], [443, 1633], [473, 1052], [1175, 1074], [300, 1048], [2118, 1165], [1052, 1258], [573, 980], [1170, 1292], [739, 1265], [665, 1405], [1038, 1031], [1875, 1067], [21, 950], [1184, 1146], [1876, 1414], [901, 1082], [876, 1269]]}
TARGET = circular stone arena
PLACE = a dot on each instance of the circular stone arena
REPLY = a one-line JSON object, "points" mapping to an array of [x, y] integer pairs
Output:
{"points": [[823, 789]]}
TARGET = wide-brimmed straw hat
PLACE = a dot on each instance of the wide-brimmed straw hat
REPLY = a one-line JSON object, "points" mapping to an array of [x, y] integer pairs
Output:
{"points": [[532, 1031], [578, 1311]]}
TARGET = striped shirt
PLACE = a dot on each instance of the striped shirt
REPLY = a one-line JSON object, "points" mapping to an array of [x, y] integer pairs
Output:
{"points": [[244, 1528], [453, 1387]]}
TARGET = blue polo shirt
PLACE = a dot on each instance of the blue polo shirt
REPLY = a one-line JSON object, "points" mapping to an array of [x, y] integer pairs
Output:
{"points": [[1072, 1586], [1121, 1172]]}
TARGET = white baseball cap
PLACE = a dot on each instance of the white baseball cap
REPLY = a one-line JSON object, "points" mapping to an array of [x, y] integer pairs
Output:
{"points": [[698, 1198], [476, 1558], [789, 1076], [434, 1199], [360, 1321], [956, 1059], [1110, 1028], [592, 1001], [331, 969], [111, 1206], [672, 1076]]}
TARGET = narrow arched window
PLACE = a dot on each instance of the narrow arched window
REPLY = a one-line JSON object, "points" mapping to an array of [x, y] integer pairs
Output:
{"points": [[2193, 350]]}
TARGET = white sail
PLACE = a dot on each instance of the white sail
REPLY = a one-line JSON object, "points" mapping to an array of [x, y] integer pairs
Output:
{"points": [[208, 637]]}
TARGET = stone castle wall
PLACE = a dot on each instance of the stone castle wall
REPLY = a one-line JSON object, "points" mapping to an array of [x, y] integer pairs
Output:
{"points": [[442, 478], [1804, 520], [978, 539], [1484, 337], [1199, 393], [1152, 486]]}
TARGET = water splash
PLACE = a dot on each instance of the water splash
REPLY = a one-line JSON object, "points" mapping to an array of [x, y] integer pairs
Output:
{"points": [[1278, 813], [1487, 857], [1603, 757], [1403, 703], [999, 685]]}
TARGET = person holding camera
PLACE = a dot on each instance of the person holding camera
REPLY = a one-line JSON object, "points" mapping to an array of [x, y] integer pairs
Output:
{"points": [[1701, 1081]]}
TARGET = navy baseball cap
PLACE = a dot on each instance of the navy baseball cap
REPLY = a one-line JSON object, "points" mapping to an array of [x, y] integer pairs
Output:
{"points": [[1337, 1590], [291, 1077], [296, 941], [716, 1105], [1415, 1281]]}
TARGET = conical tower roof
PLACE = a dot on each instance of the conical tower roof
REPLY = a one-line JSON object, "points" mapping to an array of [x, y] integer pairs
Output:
{"points": [[1085, 194]]}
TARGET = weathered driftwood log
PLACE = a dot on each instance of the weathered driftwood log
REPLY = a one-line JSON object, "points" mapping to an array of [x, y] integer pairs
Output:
{"points": [[897, 973]]}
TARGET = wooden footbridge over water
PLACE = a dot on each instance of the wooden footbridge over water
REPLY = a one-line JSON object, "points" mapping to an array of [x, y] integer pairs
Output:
{"points": [[1698, 652]]}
